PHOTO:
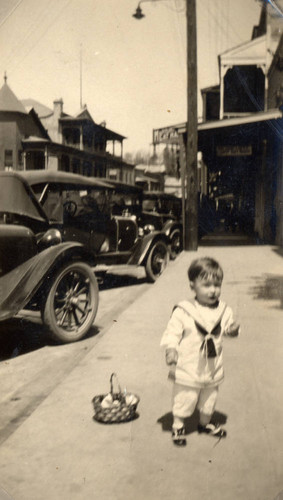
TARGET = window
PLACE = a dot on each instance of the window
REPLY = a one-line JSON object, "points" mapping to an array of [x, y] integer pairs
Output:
{"points": [[20, 157], [8, 162]]}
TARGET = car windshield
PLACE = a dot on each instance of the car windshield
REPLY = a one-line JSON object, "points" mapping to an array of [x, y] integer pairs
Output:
{"points": [[87, 201], [124, 201], [57, 202], [150, 205]]}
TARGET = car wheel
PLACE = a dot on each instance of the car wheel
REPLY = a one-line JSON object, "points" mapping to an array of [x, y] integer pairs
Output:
{"points": [[176, 244], [157, 261], [72, 303]]}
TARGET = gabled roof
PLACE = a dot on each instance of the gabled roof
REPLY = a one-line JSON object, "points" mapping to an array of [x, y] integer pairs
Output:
{"points": [[41, 110], [9, 102], [84, 114], [252, 52]]}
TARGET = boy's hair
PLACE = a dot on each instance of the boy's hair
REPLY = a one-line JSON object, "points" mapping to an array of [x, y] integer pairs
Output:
{"points": [[205, 267]]}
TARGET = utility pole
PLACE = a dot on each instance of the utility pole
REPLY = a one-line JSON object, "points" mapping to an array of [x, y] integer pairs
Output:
{"points": [[190, 168], [191, 173]]}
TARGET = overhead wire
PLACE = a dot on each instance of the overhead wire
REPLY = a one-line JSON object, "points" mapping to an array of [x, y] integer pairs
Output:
{"points": [[42, 34], [10, 13], [30, 30]]}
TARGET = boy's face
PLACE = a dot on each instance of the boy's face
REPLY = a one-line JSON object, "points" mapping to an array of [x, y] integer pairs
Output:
{"points": [[207, 290]]}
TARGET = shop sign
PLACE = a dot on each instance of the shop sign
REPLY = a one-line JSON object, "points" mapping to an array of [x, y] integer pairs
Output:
{"points": [[234, 150], [166, 134]]}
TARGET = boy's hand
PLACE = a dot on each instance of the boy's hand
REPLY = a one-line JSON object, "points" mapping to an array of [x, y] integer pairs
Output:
{"points": [[233, 329], [171, 356]]}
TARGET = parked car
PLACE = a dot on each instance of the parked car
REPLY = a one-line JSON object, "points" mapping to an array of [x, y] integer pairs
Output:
{"points": [[163, 211], [39, 271], [84, 213]]}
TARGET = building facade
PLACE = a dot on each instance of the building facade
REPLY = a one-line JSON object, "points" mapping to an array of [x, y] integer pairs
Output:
{"points": [[241, 134], [35, 137]]}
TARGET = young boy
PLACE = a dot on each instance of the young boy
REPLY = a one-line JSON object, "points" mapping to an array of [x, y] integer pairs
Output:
{"points": [[193, 342]]}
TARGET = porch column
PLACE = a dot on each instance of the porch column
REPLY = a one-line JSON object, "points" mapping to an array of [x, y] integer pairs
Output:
{"points": [[46, 158], [25, 160], [223, 71], [81, 138], [221, 93]]}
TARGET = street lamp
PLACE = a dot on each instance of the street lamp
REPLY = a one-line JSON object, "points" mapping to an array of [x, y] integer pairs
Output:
{"points": [[138, 14], [189, 174]]}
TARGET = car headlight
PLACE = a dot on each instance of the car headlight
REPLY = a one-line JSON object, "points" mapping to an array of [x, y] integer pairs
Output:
{"points": [[148, 228], [50, 238]]}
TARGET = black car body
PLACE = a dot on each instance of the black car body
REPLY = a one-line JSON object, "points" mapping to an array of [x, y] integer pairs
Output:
{"points": [[163, 211], [55, 229], [38, 270], [84, 213]]}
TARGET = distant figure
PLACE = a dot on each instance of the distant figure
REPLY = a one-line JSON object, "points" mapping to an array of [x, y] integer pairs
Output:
{"points": [[193, 341]]}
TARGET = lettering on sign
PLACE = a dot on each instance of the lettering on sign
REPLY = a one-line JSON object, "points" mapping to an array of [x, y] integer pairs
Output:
{"points": [[234, 150], [164, 134]]}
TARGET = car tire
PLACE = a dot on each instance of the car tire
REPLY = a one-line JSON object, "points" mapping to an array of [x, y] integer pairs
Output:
{"points": [[72, 303], [157, 261], [175, 244]]}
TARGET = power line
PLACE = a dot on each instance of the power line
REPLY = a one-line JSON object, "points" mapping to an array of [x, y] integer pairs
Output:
{"points": [[42, 34], [35, 25], [10, 13]]}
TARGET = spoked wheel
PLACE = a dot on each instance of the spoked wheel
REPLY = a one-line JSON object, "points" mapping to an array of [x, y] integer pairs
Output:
{"points": [[72, 303], [176, 244], [157, 261]]}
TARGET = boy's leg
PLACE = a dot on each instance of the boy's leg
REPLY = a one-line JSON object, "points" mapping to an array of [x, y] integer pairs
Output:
{"points": [[206, 406], [184, 403]]}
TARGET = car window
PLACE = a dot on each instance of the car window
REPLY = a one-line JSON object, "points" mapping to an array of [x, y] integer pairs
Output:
{"points": [[149, 205], [78, 203]]}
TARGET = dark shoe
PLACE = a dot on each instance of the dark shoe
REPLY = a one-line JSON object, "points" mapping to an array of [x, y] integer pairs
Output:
{"points": [[212, 429], [178, 437]]}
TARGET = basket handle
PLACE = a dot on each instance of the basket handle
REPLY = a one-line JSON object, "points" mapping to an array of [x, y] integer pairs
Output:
{"points": [[111, 383]]}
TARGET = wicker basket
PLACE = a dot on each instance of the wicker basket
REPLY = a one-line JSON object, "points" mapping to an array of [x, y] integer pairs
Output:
{"points": [[120, 410]]}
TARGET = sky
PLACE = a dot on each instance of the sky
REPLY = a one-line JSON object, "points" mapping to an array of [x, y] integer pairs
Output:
{"points": [[129, 73]]}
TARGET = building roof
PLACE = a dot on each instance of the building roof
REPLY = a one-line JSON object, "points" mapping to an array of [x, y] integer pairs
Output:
{"points": [[9, 102], [271, 114], [151, 169], [84, 116], [249, 53], [41, 110]]}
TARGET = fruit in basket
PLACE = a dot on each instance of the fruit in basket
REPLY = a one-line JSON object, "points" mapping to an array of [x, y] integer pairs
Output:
{"points": [[107, 401], [130, 399]]}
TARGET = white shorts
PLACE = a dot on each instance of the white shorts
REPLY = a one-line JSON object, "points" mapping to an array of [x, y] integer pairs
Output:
{"points": [[186, 399]]}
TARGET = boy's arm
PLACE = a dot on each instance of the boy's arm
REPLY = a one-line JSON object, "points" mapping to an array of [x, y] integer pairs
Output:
{"points": [[172, 336], [232, 327], [171, 356]]}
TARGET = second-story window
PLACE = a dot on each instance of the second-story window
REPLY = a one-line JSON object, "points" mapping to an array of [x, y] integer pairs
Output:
{"points": [[8, 160]]}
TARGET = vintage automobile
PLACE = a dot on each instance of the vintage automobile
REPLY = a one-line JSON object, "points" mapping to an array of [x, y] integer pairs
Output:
{"points": [[38, 271], [55, 230], [85, 214], [154, 211], [163, 211]]}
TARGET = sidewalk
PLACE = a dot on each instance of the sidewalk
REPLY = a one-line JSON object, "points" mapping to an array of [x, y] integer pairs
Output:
{"points": [[61, 453]]}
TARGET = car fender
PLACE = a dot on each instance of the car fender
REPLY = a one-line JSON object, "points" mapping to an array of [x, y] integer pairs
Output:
{"points": [[143, 246], [171, 226], [19, 285]]}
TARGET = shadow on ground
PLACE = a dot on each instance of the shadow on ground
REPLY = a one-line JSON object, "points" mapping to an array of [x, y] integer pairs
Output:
{"points": [[20, 336], [269, 287], [191, 423], [117, 281]]}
